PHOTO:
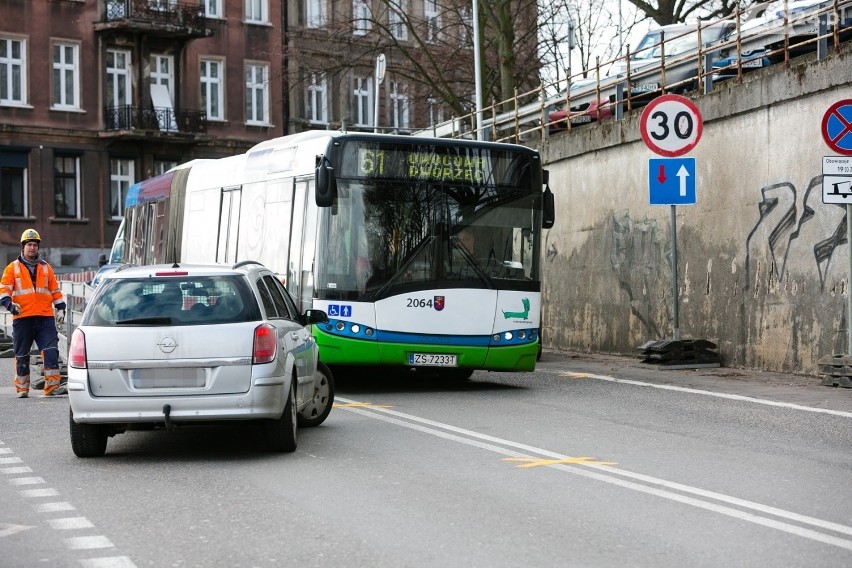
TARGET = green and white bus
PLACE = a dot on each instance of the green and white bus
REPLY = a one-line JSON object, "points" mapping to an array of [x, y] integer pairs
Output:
{"points": [[425, 253]]}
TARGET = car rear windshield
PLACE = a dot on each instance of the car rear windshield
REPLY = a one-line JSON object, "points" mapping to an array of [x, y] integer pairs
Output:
{"points": [[173, 300]]}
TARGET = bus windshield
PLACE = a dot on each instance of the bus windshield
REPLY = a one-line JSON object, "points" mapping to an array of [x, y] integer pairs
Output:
{"points": [[388, 237]]}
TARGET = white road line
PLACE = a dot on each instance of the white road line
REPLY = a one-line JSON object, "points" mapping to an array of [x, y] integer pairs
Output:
{"points": [[14, 470], [4, 461], [110, 562], [6, 451], [26, 481], [70, 523], [703, 392], [54, 507], [33, 493], [608, 475], [88, 542]]}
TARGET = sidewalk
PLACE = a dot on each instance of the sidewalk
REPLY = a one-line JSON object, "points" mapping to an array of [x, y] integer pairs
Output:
{"points": [[803, 390]]}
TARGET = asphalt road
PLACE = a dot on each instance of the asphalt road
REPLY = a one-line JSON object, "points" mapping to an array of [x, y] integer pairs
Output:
{"points": [[590, 461]]}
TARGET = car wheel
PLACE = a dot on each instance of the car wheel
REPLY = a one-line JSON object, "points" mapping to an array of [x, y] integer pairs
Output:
{"points": [[320, 405], [87, 440], [281, 432]]}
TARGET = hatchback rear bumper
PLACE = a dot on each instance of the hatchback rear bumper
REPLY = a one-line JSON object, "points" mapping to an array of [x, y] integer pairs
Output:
{"points": [[261, 401]]}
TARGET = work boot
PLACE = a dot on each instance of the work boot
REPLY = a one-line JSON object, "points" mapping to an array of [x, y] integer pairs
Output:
{"points": [[23, 394], [60, 390], [38, 383]]}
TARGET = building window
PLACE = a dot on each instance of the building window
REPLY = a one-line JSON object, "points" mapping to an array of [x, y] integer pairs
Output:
{"points": [[315, 13], [396, 19], [361, 17], [66, 186], [433, 20], [317, 99], [257, 11], [436, 111], [212, 88], [213, 8], [163, 73], [162, 166], [66, 76], [13, 71], [362, 102], [121, 177], [257, 94], [399, 106], [119, 87], [13, 184]]}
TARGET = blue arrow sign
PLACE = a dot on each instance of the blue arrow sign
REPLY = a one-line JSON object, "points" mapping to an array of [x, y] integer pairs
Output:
{"points": [[671, 181]]}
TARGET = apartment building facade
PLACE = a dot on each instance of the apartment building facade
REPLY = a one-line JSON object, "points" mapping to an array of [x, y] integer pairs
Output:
{"points": [[96, 95]]}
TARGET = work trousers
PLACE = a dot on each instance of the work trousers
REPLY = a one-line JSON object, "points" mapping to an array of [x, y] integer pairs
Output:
{"points": [[42, 331]]}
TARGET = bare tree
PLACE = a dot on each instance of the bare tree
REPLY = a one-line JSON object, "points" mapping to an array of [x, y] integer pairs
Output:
{"points": [[665, 12]]}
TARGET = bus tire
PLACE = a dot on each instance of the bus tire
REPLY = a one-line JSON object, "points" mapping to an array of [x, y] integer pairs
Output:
{"points": [[320, 405], [281, 432]]}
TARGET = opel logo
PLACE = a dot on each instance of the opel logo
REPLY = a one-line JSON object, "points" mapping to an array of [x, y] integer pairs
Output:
{"points": [[167, 344]]}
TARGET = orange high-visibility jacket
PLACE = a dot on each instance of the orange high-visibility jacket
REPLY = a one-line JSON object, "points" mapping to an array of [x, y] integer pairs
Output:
{"points": [[35, 300]]}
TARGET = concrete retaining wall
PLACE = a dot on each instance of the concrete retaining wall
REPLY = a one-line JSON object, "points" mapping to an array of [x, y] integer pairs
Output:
{"points": [[763, 263]]}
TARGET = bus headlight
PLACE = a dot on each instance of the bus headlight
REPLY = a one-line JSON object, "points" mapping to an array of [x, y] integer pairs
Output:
{"points": [[368, 332], [340, 326], [496, 338], [508, 336], [355, 328]]}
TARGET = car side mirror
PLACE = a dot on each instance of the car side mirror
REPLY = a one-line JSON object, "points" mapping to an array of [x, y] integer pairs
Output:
{"points": [[315, 316]]}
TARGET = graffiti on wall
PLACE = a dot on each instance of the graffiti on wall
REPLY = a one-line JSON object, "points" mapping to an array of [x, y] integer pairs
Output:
{"points": [[782, 226]]}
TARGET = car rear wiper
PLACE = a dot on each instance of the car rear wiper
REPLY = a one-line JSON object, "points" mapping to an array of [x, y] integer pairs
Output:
{"points": [[156, 320]]}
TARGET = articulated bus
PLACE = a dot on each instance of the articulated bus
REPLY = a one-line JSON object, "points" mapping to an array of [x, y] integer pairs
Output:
{"points": [[425, 253]]}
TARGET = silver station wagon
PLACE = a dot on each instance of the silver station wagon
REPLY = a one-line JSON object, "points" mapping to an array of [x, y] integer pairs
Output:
{"points": [[169, 345]]}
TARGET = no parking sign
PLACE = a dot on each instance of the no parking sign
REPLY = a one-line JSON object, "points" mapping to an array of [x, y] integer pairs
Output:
{"points": [[837, 127]]}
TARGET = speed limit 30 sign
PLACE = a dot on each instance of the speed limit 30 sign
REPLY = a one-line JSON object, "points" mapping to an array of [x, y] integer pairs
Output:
{"points": [[671, 125]]}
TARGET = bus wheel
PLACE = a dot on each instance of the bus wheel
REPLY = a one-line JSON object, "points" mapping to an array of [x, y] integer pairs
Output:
{"points": [[457, 374], [320, 405]]}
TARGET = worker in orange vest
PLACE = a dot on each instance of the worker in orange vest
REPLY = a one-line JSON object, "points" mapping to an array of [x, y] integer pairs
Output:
{"points": [[29, 290]]}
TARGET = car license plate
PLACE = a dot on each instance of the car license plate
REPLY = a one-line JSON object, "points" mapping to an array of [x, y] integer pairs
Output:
{"points": [[753, 63], [432, 360], [646, 88], [180, 377], [582, 119]]}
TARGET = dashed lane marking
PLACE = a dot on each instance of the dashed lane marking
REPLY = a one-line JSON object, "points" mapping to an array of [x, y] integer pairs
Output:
{"points": [[7, 529], [70, 523], [81, 543]]}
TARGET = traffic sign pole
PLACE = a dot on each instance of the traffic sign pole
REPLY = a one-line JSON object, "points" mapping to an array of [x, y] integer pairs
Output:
{"points": [[675, 314]]}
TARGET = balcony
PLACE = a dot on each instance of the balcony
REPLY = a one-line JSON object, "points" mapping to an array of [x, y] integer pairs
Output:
{"points": [[161, 18], [155, 121]]}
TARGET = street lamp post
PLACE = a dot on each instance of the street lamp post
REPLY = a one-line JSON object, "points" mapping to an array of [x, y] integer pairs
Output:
{"points": [[477, 70]]}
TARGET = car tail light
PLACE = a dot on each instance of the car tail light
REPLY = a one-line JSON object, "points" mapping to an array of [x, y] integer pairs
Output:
{"points": [[77, 351], [265, 344]]}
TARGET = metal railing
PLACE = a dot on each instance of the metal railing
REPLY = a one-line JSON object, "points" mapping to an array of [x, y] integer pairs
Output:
{"points": [[598, 93], [130, 117], [165, 12]]}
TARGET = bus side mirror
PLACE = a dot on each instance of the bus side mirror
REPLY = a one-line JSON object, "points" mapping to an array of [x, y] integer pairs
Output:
{"points": [[325, 184], [548, 206]]}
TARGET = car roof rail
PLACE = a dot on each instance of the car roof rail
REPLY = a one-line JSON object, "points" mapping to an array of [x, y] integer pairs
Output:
{"points": [[247, 262]]}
